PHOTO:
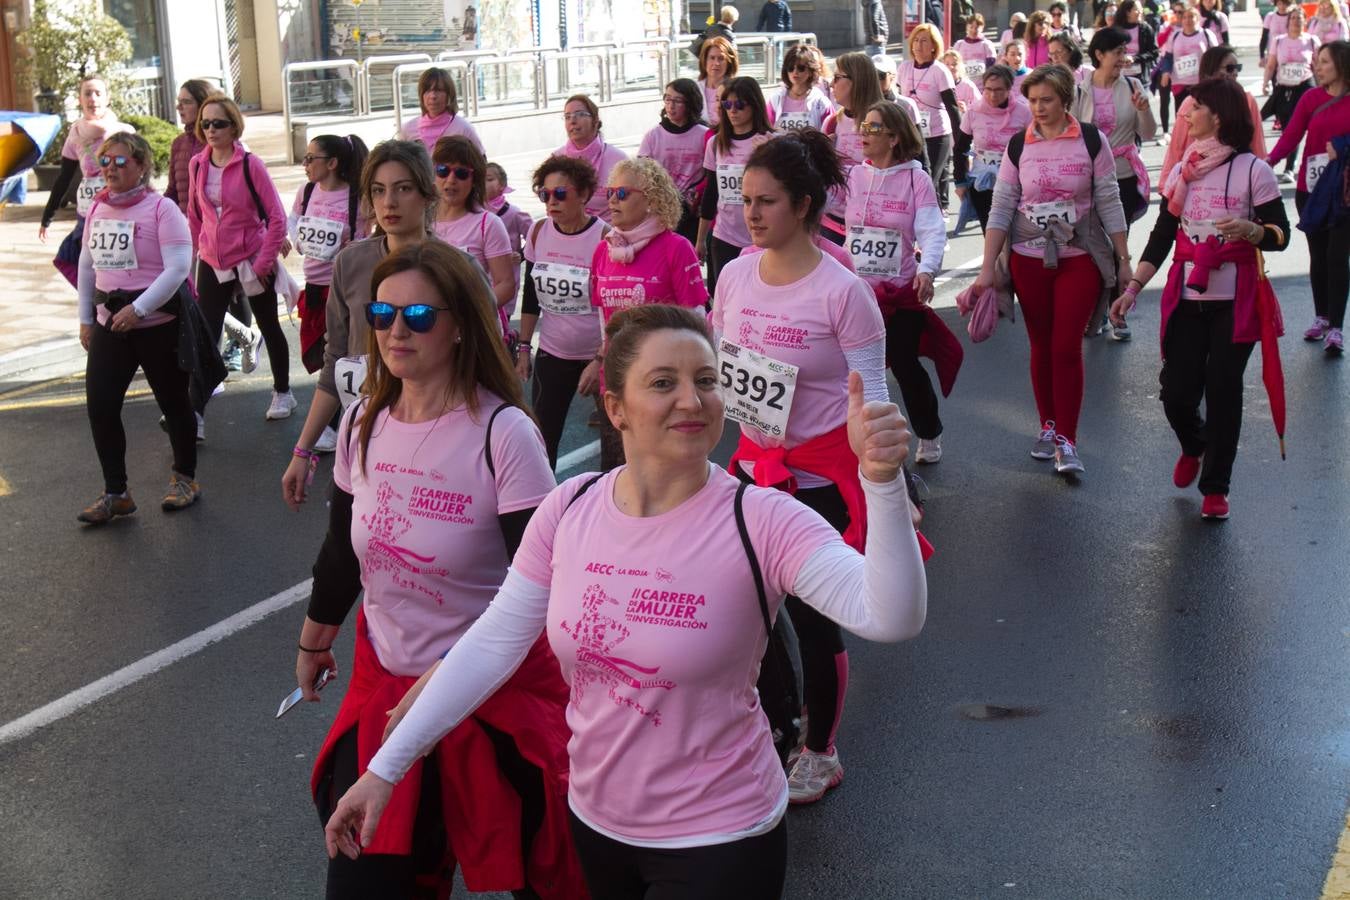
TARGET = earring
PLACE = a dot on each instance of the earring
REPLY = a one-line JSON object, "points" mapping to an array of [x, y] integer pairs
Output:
{"points": [[458, 338]]}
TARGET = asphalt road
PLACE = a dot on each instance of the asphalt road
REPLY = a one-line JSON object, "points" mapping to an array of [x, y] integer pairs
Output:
{"points": [[1177, 724]]}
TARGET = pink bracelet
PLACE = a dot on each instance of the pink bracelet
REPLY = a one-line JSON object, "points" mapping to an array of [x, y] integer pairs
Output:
{"points": [[304, 454]]}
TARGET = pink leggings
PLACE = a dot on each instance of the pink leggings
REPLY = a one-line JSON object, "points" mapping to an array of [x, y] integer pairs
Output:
{"points": [[1057, 304]]}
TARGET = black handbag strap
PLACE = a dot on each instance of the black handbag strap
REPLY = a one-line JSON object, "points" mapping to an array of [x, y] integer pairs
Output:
{"points": [[750, 555]]}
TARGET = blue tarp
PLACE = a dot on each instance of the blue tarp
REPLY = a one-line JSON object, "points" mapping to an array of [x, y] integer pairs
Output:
{"points": [[40, 129]]}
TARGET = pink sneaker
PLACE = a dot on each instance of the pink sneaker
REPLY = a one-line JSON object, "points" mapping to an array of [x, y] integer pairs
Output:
{"points": [[1187, 468], [1214, 506], [1334, 343], [1319, 329]]}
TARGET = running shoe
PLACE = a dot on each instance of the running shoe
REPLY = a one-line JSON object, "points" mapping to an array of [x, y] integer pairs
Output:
{"points": [[182, 493], [1120, 332], [1044, 448], [813, 774], [1066, 456], [327, 441], [233, 355], [929, 451], [1334, 343], [1286, 178], [1319, 329], [249, 360], [1186, 471], [1215, 507], [106, 508], [282, 406]]}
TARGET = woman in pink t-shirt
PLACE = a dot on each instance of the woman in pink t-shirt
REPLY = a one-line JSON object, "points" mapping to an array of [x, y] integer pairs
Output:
{"points": [[1220, 197], [655, 586], [438, 471], [718, 63], [892, 211], [1329, 23], [581, 117], [558, 254], [986, 129], [856, 89], [794, 322], [464, 221], [133, 267], [325, 217], [1218, 62], [677, 143], [1290, 66], [1014, 57], [745, 125], [1215, 21], [1182, 52], [929, 83], [802, 100], [641, 261], [977, 51], [440, 112], [1051, 204]]}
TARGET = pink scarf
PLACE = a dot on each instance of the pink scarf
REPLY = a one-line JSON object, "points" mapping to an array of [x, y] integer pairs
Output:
{"points": [[430, 129], [624, 245], [592, 152], [124, 199], [1200, 159]]}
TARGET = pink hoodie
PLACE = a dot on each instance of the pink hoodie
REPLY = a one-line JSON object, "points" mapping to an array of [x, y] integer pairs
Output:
{"points": [[235, 234]]}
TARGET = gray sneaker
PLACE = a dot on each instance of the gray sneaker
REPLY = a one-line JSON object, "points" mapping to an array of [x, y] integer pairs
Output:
{"points": [[1120, 332], [813, 774], [1044, 448], [1066, 456]]}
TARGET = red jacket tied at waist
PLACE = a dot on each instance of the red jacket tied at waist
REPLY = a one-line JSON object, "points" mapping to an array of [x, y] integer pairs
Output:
{"points": [[936, 342], [1206, 257]]}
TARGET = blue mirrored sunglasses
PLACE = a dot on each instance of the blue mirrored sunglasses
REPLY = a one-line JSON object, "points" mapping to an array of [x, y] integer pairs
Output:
{"points": [[419, 317]]}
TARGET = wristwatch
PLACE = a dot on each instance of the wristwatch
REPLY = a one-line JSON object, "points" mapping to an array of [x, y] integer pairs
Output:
{"points": [[137, 312]]}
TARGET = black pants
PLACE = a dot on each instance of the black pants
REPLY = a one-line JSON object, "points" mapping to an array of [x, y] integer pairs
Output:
{"points": [[554, 386], [720, 253], [939, 155], [1130, 199], [430, 866], [983, 202], [688, 225], [1200, 360], [113, 360], [752, 868], [1165, 107], [214, 299], [1329, 267], [904, 327]]}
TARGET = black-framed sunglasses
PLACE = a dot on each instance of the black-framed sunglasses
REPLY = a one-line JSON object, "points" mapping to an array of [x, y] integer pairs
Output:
{"points": [[737, 105], [119, 161], [216, 124], [462, 173], [1233, 68], [803, 67], [558, 193], [419, 317], [310, 157]]}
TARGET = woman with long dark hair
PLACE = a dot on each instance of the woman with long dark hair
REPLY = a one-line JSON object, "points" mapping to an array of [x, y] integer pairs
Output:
{"points": [[1289, 65], [677, 143]]}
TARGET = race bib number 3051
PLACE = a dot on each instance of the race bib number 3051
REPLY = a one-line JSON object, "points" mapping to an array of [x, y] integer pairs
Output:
{"points": [[729, 184], [756, 389]]}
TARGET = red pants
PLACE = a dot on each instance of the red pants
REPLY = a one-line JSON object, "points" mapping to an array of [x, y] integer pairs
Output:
{"points": [[1056, 305]]}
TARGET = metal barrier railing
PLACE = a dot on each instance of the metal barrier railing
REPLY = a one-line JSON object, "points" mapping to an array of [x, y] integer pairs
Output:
{"points": [[369, 99], [505, 94], [621, 73], [570, 77], [321, 95]]}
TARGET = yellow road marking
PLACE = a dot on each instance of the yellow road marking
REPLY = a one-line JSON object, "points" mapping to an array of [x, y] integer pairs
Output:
{"points": [[1338, 879], [5, 489], [67, 400], [39, 386]]}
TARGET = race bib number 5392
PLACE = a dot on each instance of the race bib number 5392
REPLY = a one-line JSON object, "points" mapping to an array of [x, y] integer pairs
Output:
{"points": [[757, 390]]}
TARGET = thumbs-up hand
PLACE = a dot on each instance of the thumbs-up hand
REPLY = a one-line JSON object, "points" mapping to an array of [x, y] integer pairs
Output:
{"points": [[878, 434]]}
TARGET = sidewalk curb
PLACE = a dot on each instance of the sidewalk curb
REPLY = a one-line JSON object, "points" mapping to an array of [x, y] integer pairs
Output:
{"points": [[52, 359]]}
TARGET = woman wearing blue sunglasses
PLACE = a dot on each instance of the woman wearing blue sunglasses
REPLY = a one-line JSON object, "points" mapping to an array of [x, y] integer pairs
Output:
{"points": [[464, 221]]}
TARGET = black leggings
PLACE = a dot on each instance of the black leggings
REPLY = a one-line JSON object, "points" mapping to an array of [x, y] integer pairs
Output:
{"points": [[983, 202], [939, 155], [720, 254], [752, 868], [1329, 267], [113, 360], [1165, 106], [214, 299], [1131, 200], [904, 328], [1200, 360], [554, 387]]}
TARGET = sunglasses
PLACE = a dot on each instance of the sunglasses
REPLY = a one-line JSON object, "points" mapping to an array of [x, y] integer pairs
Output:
{"points": [[620, 192], [419, 317], [579, 114], [1233, 68], [310, 157], [803, 67], [558, 193], [872, 128], [737, 105], [461, 173], [216, 124], [839, 76], [119, 161]]}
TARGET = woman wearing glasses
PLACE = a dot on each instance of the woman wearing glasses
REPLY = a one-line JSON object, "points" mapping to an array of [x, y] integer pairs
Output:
{"points": [[581, 118], [398, 190], [856, 89], [931, 85], [641, 261], [438, 470], [677, 144], [986, 129], [463, 220], [134, 261], [717, 64], [440, 112], [801, 101], [745, 125], [1218, 62]]}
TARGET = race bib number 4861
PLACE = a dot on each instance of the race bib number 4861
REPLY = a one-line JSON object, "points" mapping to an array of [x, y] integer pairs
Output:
{"points": [[756, 389]]}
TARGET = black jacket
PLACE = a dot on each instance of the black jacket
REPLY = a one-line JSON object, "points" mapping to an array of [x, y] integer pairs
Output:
{"points": [[775, 16], [875, 29], [716, 29]]}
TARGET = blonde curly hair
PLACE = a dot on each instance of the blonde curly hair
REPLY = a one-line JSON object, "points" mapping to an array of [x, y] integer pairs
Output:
{"points": [[654, 181]]}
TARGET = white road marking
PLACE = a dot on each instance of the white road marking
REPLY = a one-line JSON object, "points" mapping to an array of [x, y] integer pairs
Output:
{"points": [[579, 455], [149, 665]]}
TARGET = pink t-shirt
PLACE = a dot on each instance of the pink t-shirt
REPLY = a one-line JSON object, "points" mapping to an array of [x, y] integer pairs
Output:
{"points": [[424, 521], [925, 85], [711, 97], [679, 154], [1018, 78], [793, 114], [1104, 110], [808, 324], [1217, 25], [602, 157], [656, 625], [568, 325], [86, 136], [889, 198], [480, 234], [1186, 50], [1294, 58], [728, 167], [966, 93], [1328, 29], [978, 55], [838, 253], [328, 206], [1277, 25], [847, 140], [1217, 194], [430, 130], [158, 223], [991, 128], [664, 271], [1056, 170]]}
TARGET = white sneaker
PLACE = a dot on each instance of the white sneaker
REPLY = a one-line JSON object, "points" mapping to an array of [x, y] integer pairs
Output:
{"points": [[813, 774], [1066, 456], [1044, 448], [929, 451], [249, 349], [282, 406], [327, 441], [1120, 332]]}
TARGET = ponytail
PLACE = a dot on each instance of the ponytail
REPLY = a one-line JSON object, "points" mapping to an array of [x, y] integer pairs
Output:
{"points": [[806, 164], [350, 153]]}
